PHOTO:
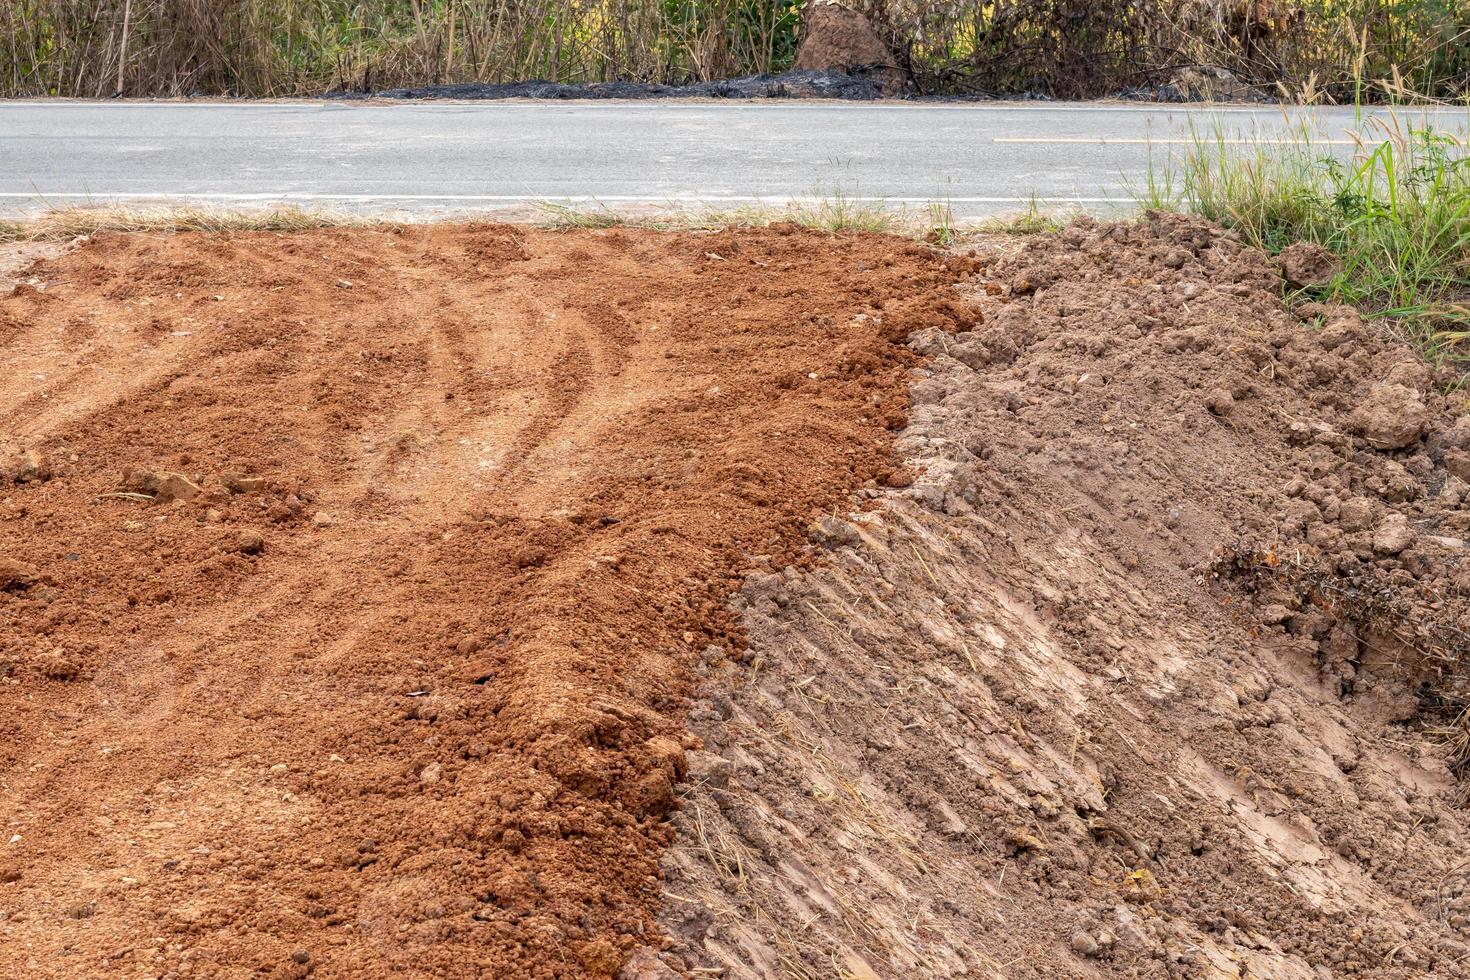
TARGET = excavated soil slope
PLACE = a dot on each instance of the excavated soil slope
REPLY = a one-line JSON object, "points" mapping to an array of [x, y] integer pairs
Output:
{"points": [[351, 582], [366, 609], [1139, 678]]}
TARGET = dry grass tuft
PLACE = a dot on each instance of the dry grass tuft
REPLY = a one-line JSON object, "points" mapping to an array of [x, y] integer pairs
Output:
{"points": [[63, 224], [835, 213], [832, 213]]}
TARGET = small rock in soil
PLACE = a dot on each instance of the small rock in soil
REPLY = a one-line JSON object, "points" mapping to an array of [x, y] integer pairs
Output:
{"points": [[644, 964], [163, 486], [33, 467], [240, 483], [706, 767], [1084, 945], [249, 543], [175, 486], [1220, 402]]}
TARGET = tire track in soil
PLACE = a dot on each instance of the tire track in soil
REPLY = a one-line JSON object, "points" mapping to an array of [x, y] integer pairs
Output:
{"points": [[430, 727]]}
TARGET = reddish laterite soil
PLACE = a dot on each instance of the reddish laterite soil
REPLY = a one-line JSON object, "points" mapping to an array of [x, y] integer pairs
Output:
{"points": [[353, 579]]}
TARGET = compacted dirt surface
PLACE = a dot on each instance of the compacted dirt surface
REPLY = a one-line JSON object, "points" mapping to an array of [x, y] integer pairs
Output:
{"points": [[480, 601], [352, 580], [1140, 678]]}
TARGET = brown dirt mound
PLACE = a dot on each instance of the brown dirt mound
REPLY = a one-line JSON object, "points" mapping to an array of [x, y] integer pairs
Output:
{"points": [[836, 38], [354, 579], [1138, 678]]}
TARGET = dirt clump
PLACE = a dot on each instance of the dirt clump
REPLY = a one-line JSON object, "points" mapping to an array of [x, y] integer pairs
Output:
{"points": [[413, 702], [835, 37], [1122, 683], [1304, 264], [26, 467], [1390, 416], [15, 575]]}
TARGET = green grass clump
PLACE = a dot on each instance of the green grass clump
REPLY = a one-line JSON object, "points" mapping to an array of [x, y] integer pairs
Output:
{"points": [[838, 213], [1034, 220], [1395, 210], [566, 217]]}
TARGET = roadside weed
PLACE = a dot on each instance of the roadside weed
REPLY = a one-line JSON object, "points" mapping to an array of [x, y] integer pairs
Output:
{"points": [[1395, 209]]}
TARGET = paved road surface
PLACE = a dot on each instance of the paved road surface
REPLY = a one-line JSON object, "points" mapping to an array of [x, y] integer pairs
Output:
{"points": [[451, 157]]}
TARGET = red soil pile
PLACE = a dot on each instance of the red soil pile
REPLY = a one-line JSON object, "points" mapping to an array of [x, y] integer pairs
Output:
{"points": [[352, 580]]}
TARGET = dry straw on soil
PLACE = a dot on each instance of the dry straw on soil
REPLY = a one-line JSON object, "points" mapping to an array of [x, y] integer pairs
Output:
{"points": [[832, 214], [63, 224]]}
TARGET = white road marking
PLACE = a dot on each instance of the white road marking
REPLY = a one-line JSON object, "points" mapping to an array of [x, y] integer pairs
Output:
{"points": [[1104, 140], [532, 198]]}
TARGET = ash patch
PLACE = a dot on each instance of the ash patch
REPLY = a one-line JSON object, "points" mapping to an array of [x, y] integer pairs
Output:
{"points": [[1196, 84], [857, 84], [854, 82]]}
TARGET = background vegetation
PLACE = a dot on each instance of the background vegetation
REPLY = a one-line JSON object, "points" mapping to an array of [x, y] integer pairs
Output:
{"points": [[1318, 49]]}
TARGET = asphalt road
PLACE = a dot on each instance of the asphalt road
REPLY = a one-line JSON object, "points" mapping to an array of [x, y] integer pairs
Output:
{"points": [[452, 157]]}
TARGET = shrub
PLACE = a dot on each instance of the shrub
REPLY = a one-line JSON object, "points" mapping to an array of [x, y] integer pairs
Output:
{"points": [[1332, 49]]}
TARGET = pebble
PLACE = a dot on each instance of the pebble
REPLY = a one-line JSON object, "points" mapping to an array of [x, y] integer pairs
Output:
{"points": [[33, 468], [706, 767], [175, 486], [249, 543], [240, 483]]}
